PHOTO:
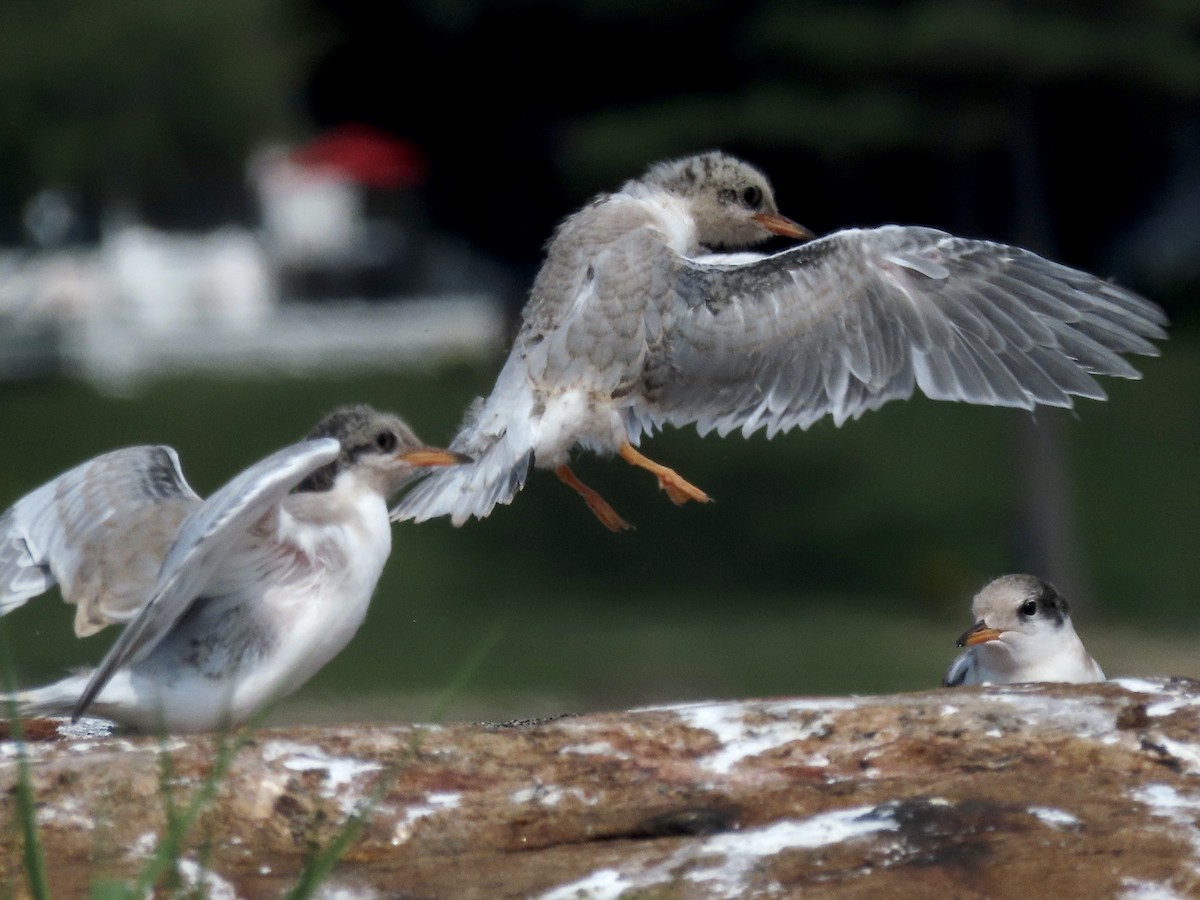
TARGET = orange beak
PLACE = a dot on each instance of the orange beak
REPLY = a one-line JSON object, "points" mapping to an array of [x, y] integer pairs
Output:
{"points": [[782, 225], [433, 457], [979, 633]]}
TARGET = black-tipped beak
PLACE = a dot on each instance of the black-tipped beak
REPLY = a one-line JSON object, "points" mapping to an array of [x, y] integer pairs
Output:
{"points": [[979, 633]]}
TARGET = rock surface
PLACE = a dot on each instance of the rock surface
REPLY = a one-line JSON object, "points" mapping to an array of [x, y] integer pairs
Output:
{"points": [[1027, 791]]}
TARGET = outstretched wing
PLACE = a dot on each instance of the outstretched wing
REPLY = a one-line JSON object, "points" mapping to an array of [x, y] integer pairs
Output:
{"points": [[203, 541], [843, 324], [100, 530]]}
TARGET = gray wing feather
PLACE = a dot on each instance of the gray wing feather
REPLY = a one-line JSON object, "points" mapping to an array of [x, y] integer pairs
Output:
{"points": [[203, 541], [961, 671], [99, 530], [843, 324]]}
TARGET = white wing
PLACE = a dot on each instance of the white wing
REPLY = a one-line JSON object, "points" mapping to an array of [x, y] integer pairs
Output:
{"points": [[100, 530], [204, 540], [843, 324]]}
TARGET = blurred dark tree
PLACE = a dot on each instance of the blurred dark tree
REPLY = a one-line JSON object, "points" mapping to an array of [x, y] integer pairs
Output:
{"points": [[131, 102], [1051, 124], [864, 77], [862, 111]]}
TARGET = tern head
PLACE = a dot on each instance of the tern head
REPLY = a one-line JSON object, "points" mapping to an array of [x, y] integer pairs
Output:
{"points": [[731, 201], [378, 447], [1021, 613]]}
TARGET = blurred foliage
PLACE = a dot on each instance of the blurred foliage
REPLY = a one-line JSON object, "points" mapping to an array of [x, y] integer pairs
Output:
{"points": [[934, 111], [124, 98], [986, 44], [865, 76]]}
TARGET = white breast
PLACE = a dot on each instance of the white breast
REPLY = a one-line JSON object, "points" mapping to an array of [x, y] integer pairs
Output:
{"points": [[577, 416], [299, 603], [1058, 657]]}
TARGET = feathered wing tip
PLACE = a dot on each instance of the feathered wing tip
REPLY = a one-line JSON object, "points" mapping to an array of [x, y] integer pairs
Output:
{"points": [[843, 324], [21, 575], [53, 534], [465, 491]]}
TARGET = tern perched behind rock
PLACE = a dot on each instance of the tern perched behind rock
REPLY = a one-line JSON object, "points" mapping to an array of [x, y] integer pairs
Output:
{"points": [[1022, 632], [639, 318], [228, 603]]}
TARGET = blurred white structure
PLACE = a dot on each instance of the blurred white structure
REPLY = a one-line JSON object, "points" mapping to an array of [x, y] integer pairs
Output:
{"points": [[144, 302], [310, 215], [165, 282]]}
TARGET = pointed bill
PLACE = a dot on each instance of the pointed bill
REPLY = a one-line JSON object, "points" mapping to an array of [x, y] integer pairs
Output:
{"points": [[782, 225], [979, 633], [430, 456]]}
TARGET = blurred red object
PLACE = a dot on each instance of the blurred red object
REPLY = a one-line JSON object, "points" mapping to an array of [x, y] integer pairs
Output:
{"points": [[366, 155]]}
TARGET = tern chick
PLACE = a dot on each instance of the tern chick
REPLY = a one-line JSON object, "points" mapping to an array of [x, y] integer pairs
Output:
{"points": [[633, 324], [1022, 632], [228, 603]]}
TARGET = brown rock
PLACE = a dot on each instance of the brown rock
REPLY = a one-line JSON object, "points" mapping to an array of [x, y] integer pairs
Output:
{"points": [[1026, 791]]}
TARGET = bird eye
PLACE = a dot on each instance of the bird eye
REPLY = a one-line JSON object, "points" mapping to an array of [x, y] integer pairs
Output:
{"points": [[386, 441], [752, 197], [1029, 608]]}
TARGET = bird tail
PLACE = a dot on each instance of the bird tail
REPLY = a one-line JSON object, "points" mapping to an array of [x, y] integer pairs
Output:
{"points": [[499, 433], [472, 491]]}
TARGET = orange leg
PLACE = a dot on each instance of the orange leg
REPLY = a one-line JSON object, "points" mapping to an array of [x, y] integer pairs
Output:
{"points": [[678, 490], [597, 504]]}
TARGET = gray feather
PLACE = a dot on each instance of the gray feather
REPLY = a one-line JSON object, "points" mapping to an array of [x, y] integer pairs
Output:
{"points": [[879, 313], [62, 533]]}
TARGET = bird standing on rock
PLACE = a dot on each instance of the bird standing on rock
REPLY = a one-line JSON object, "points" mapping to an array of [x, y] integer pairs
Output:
{"points": [[640, 317], [1022, 632], [229, 603]]}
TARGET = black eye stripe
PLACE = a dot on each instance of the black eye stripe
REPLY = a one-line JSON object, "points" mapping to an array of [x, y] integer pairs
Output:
{"points": [[1052, 603], [1052, 599]]}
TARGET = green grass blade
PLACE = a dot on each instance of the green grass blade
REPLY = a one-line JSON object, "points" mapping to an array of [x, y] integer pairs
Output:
{"points": [[180, 822], [35, 862]]}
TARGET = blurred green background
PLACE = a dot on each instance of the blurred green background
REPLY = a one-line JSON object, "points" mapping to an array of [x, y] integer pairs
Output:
{"points": [[834, 561]]}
